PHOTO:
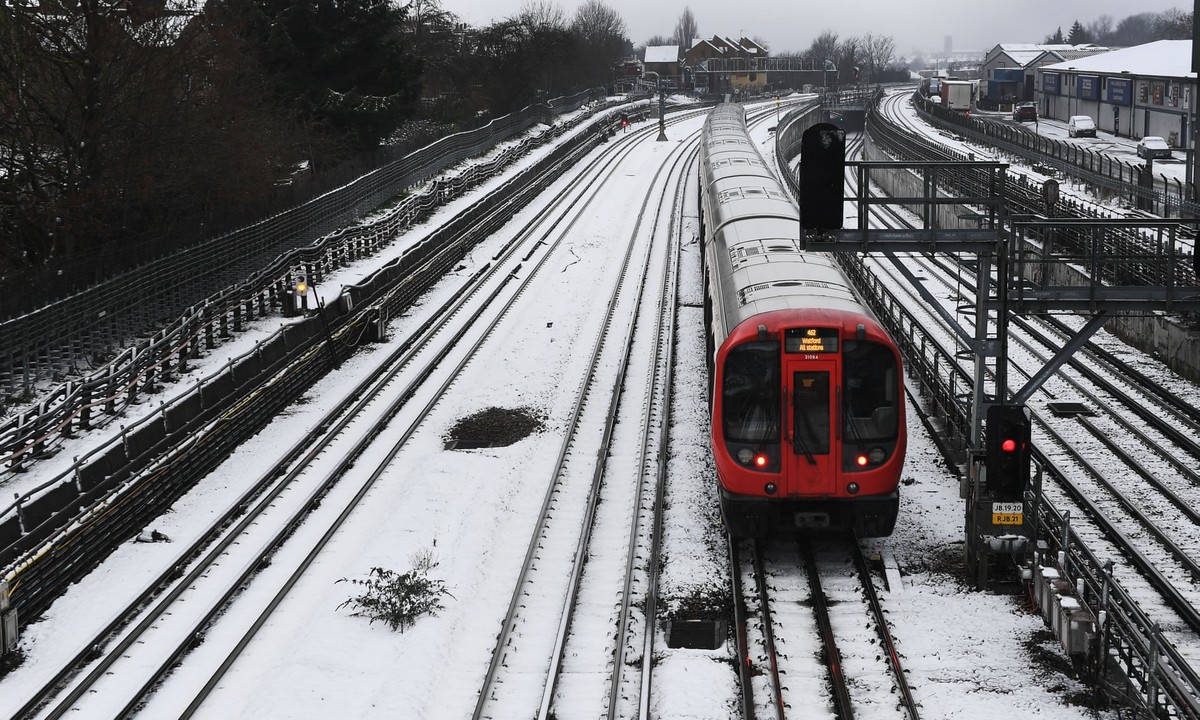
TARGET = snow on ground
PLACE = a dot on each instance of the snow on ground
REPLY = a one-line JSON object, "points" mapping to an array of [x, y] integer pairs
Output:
{"points": [[969, 655]]}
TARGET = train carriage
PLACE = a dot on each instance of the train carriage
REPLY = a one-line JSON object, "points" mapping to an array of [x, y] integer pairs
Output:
{"points": [[806, 386]]}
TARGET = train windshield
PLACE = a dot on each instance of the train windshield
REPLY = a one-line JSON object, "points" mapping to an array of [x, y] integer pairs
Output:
{"points": [[810, 398], [871, 391], [750, 393]]}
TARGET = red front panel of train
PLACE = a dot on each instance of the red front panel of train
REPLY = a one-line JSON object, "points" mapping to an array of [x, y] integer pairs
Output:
{"points": [[805, 412], [810, 457]]}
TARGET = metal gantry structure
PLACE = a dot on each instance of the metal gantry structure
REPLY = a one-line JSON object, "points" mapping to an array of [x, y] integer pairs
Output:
{"points": [[1026, 256]]}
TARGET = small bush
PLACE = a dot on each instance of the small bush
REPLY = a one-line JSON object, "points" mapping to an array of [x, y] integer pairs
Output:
{"points": [[399, 600]]}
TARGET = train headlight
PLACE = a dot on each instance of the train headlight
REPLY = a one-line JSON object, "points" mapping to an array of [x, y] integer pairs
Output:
{"points": [[852, 488], [761, 460], [770, 488], [861, 461], [877, 455], [745, 456]]}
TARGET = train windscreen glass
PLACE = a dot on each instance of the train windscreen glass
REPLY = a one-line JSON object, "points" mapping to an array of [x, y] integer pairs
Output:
{"points": [[750, 393], [871, 391], [810, 399]]}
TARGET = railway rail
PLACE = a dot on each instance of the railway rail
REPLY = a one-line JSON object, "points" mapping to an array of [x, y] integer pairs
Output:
{"points": [[1100, 473], [808, 606], [532, 671], [450, 338]]}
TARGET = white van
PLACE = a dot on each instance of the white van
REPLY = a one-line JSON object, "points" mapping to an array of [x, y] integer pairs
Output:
{"points": [[1081, 126]]}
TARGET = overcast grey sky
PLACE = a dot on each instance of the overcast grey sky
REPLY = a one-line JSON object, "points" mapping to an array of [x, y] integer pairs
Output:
{"points": [[792, 25]]}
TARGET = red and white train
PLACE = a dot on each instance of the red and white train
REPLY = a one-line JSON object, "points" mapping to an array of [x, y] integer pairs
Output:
{"points": [[808, 421]]}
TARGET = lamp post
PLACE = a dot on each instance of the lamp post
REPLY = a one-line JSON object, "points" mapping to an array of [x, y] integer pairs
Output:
{"points": [[302, 290], [1071, 92], [662, 111]]}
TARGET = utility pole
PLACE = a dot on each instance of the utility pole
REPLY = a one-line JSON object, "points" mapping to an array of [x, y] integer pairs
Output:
{"points": [[662, 111]]}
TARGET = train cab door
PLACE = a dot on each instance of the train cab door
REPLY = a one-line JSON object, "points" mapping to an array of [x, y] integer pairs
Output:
{"points": [[810, 450]]}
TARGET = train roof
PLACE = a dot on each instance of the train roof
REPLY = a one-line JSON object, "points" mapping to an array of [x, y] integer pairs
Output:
{"points": [[753, 224], [774, 274], [721, 166]]}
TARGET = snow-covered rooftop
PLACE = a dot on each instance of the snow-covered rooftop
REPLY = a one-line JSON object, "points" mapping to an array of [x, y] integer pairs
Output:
{"points": [[1025, 54], [662, 54], [1164, 58]]}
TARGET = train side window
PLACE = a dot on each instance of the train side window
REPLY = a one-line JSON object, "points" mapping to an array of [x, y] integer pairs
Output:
{"points": [[750, 396], [870, 396]]}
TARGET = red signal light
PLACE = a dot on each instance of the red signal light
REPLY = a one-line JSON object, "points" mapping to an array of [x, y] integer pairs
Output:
{"points": [[1009, 445], [862, 460], [760, 460]]}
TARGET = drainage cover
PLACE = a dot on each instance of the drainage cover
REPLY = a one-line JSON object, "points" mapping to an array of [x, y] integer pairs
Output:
{"points": [[493, 427], [696, 634], [1069, 409]]}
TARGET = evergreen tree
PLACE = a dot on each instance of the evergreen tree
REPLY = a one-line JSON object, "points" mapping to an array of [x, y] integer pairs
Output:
{"points": [[1078, 35], [124, 131], [343, 63], [1056, 38], [686, 30]]}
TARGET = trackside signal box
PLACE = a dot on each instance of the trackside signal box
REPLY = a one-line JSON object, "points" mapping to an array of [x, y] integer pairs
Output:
{"points": [[1008, 452], [1000, 524], [822, 177]]}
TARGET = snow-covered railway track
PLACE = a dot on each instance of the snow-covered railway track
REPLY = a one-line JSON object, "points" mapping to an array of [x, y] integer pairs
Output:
{"points": [[557, 653], [1137, 512], [306, 500], [820, 634]]}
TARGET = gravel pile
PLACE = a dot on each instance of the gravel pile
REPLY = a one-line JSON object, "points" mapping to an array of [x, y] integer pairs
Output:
{"points": [[493, 427]]}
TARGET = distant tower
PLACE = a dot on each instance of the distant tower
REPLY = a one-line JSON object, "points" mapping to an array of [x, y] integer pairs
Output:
{"points": [[949, 45]]}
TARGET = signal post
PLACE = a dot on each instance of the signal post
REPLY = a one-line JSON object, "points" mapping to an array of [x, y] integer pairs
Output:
{"points": [[1000, 512]]}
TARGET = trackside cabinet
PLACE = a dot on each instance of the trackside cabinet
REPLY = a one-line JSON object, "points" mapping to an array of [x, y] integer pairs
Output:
{"points": [[8, 621]]}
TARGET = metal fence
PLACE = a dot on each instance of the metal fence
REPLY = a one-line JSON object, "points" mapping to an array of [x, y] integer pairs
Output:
{"points": [[1168, 197], [106, 346], [80, 333], [152, 461]]}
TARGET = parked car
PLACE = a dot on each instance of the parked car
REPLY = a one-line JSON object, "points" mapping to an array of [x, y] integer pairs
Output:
{"points": [[1081, 126], [1153, 146], [1025, 111]]}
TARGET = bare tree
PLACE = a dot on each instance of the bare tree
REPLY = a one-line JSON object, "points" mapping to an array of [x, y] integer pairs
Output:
{"points": [[543, 15], [686, 29], [880, 50], [597, 23], [825, 47], [1101, 29], [600, 32], [426, 20], [1136, 29], [850, 56], [1173, 24]]}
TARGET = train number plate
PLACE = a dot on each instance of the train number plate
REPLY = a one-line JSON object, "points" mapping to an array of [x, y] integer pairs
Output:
{"points": [[1008, 513]]}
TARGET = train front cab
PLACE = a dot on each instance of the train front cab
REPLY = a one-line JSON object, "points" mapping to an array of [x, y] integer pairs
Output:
{"points": [[809, 435]]}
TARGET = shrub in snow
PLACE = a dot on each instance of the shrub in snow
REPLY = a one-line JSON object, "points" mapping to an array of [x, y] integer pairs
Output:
{"points": [[399, 600]]}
